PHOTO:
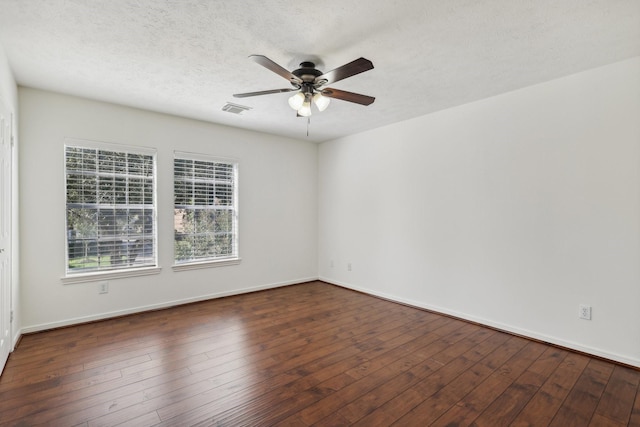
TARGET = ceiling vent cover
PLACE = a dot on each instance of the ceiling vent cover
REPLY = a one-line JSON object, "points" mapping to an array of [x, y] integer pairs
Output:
{"points": [[235, 108]]}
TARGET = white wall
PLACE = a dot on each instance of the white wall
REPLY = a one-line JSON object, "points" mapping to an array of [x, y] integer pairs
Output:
{"points": [[8, 88], [510, 211], [9, 97], [277, 205]]}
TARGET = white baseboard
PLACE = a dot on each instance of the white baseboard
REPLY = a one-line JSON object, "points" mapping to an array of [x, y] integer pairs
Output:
{"points": [[497, 325], [117, 313], [16, 338]]}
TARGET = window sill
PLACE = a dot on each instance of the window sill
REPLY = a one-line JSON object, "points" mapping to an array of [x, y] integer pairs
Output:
{"points": [[206, 264], [108, 275]]}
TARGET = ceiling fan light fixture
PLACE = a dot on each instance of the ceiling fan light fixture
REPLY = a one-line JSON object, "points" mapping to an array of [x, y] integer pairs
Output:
{"points": [[296, 101], [305, 110], [322, 102]]}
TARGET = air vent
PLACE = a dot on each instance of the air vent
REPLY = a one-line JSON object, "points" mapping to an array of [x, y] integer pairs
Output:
{"points": [[235, 108]]}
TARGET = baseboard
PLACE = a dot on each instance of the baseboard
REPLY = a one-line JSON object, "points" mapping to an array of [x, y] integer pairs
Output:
{"points": [[630, 361], [141, 309], [16, 340]]}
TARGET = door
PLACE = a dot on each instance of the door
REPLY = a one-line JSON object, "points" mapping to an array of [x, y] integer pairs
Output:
{"points": [[5, 235]]}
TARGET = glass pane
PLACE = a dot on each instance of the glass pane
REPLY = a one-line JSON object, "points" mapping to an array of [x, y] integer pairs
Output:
{"points": [[136, 191], [73, 159], [88, 186], [185, 221], [147, 169], [74, 188], [223, 172], [105, 190], [202, 246], [106, 161], [89, 159], [120, 162], [223, 245], [202, 170], [135, 164], [182, 193], [148, 191], [120, 190], [81, 238], [183, 247], [183, 168], [200, 193], [224, 195], [145, 220], [223, 221]]}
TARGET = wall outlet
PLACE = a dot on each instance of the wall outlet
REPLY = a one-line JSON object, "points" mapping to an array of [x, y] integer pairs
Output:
{"points": [[349, 267], [585, 312], [104, 288], [331, 263]]}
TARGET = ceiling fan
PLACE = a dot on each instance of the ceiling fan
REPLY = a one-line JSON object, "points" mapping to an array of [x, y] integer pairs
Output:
{"points": [[308, 83]]}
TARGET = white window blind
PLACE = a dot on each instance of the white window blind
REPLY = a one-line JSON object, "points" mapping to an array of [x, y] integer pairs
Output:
{"points": [[205, 209], [110, 208]]}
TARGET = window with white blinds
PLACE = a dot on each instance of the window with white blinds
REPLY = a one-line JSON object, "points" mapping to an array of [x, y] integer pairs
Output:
{"points": [[111, 207], [205, 209]]}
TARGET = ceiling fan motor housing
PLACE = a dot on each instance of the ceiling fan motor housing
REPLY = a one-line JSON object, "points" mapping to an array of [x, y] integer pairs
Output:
{"points": [[307, 72]]}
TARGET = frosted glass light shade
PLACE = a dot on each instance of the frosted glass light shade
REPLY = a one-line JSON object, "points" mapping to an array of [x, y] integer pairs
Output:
{"points": [[296, 101], [305, 110], [322, 102]]}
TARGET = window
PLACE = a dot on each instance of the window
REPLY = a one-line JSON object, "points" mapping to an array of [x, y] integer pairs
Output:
{"points": [[111, 208], [205, 209]]}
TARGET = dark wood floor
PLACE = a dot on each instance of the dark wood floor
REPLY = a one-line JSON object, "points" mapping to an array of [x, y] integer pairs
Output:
{"points": [[310, 354]]}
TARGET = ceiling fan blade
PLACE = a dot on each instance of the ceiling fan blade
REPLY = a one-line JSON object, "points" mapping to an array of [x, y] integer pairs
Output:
{"points": [[348, 96], [270, 65], [358, 66], [262, 92]]}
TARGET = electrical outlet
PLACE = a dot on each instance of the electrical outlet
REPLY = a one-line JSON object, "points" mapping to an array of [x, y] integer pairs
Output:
{"points": [[585, 312], [331, 263], [104, 288], [349, 267]]}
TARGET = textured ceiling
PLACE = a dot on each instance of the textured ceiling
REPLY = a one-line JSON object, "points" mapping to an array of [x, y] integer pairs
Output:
{"points": [[187, 57]]}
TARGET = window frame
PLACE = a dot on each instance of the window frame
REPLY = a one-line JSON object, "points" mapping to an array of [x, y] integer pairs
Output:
{"points": [[234, 258], [71, 276]]}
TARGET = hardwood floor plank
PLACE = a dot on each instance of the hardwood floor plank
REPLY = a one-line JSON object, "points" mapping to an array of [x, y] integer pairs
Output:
{"points": [[579, 406], [375, 398], [617, 401], [523, 386], [96, 400], [439, 398], [426, 359], [552, 390], [501, 363], [410, 398], [17, 406], [145, 420], [635, 412], [307, 354], [601, 421]]}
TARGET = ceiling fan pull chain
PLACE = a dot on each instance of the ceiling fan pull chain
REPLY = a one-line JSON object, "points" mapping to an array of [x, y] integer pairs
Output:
{"points": [[308, 122]]}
